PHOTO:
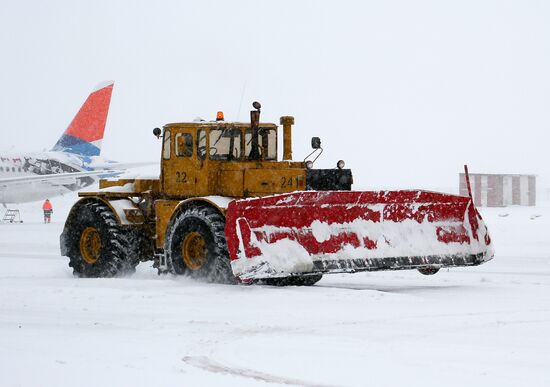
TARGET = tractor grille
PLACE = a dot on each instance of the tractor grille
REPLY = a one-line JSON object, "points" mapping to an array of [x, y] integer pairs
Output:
{"points": [[329, 180]]}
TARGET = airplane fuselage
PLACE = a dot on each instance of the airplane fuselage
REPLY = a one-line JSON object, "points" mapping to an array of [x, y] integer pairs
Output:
{"points": [[37, 164]]}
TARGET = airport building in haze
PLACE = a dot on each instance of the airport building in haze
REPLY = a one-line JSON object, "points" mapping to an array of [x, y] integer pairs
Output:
{"points": [[500, 190]]}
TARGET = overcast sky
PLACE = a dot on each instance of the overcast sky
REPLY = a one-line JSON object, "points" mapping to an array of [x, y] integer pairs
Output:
{"points": [[405, 92]]}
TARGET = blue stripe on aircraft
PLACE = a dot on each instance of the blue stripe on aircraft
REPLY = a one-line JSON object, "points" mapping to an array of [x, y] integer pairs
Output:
{"points": [[75, 145]]}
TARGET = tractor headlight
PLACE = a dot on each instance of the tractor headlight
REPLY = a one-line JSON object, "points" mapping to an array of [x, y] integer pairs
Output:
{"points": [[340, 164], [309, 164]]}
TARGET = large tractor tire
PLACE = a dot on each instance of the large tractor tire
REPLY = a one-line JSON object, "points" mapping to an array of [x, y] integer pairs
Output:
{"points": [[97, 246], [195, 245], [306, 280]]}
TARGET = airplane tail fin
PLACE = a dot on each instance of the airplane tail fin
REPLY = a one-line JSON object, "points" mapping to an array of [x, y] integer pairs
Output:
{"points": [[85, 132]]}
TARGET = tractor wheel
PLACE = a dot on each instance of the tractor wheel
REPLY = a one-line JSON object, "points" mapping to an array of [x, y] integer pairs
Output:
{"points": [[428, 270], [306, 280], [196, 246], [96, 244]]}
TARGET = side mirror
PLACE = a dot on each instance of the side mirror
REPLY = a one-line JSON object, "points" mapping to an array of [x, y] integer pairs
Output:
{"points": [[315, 142], [157, 132]]}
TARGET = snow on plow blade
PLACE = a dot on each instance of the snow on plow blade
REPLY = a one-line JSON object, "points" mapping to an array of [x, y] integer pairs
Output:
{"points": [[346, 231]]}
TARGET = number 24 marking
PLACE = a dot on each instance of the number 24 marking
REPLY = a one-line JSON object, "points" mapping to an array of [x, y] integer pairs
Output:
{"points": [[288, 181]]}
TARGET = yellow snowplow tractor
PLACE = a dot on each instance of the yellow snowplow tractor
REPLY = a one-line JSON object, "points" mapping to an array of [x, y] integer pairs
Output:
{"points": [[226, 208]]}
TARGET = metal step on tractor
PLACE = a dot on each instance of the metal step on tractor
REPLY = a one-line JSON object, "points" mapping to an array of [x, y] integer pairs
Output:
{"points": [[227, 210]]}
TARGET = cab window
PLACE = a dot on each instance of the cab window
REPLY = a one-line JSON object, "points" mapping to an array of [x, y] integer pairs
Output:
{"points": [[225, 144], [184, 144], [267, 140], [201, 144], [166, 145]]}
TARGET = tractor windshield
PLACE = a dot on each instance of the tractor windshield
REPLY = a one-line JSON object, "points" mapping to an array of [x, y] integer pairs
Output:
{"points": [[267, 141], [225, 144]]}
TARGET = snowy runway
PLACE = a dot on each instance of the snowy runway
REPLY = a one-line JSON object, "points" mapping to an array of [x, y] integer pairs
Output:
{"points": [[475, 326]]}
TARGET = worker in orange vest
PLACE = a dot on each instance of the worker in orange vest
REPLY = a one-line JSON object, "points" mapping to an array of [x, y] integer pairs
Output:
{"points": [[47, 208]]}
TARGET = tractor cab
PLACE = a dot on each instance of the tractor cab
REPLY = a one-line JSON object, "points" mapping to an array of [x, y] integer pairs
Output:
{"points": [[223, 158], [237, 159]]}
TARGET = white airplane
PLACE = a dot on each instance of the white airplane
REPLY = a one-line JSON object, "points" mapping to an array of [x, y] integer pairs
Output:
{"points": [[72, 164]]}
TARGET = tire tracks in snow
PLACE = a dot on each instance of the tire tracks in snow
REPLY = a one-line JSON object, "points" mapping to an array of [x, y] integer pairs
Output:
{"points": [[209, 365]]}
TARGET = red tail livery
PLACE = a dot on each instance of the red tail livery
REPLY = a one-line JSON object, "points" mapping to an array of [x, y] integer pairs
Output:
{"points": [[85, 132]]}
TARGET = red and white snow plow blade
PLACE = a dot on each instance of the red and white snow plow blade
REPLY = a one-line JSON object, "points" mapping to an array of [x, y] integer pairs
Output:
{"points": [[345, 231]]}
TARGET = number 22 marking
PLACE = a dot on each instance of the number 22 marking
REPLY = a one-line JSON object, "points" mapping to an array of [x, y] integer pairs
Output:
{"points": [[181, 177]]}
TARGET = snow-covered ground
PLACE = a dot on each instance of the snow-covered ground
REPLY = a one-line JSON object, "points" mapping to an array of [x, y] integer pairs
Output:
{"points": [[484, 326]]}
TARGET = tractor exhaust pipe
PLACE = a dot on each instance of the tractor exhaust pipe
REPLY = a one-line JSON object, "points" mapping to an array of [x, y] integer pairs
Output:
{"points": [[254, 127], [287, 122]]}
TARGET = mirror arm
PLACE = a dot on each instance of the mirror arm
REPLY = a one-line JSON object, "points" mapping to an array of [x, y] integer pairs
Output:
{"points": [[317, 156]]}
